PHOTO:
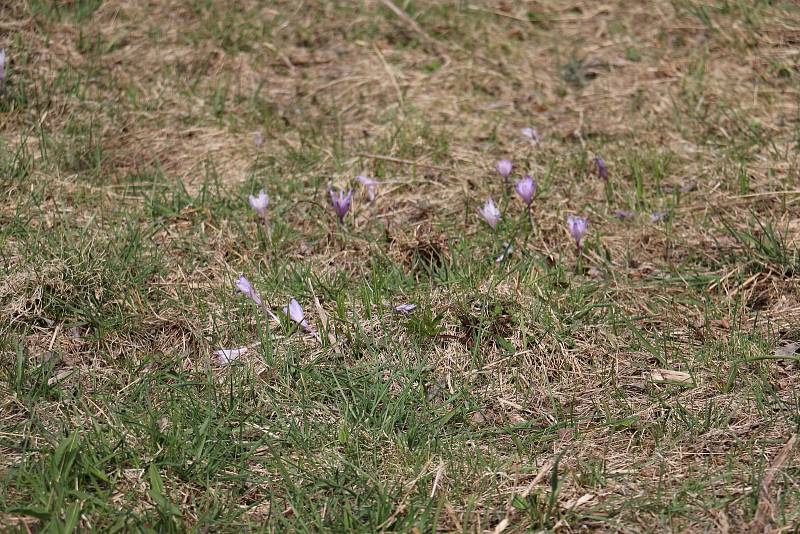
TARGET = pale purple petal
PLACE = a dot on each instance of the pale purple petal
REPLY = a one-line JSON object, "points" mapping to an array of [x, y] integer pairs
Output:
{"points": [[258, 139], [371, 185], [504, 167], [295, 313], [659, 216], [532, 134], [259, 203], [2, 67], [526, 188], [405, 308], [490, 213], [226, 356], [243, 285]]}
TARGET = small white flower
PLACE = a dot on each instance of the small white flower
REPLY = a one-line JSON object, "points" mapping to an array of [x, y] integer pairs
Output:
{"points": [[226, 356]]}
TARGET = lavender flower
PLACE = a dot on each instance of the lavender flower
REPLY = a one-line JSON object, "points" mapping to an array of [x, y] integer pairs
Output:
{"points": [[490, 213], [600, 167], [2, 67], [371, 185], [258, 139], [243, 285], [526, 188], [504, 167], [532, 134], [295, 313], [405, 308], [226, 356], [341, 203], [578, 226], [259, 203]]}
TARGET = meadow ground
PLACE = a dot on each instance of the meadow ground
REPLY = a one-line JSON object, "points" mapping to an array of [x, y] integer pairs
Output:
{"points": [[649, 385]]}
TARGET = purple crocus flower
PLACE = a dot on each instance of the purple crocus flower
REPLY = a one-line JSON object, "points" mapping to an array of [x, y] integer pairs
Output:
{"points": [[341, 203], [371, 185], [258, 139], [2, 67], [504, 167], [526, 188], [490, 213], [259, 203], [578, 226], [244, 285], [532, 134], [405, 308], [600, 167], [295, 313]]}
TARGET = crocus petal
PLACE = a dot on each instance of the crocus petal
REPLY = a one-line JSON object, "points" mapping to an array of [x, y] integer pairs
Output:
{"points": [[405, 308], [258, 139], [602, 169], [2, 67], [504, 167], [490, 213], [243, 285], [226, 356], [532, 134], [659, 216], [259, 203], [371, 185], [296, 311]]}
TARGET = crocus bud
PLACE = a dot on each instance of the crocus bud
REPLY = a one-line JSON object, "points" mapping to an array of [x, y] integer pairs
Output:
{"points": [[532, 134], [405, 309], [490, 213], [578, 226], [341, 203], [295, 313], [258, 139], [371, 185], [526, 188], [504, 167], [243, 285], [260, 203], [600, 168]]}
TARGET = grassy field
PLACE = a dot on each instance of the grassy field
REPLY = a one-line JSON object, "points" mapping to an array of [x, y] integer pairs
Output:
{"points": [[645, 382]]}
